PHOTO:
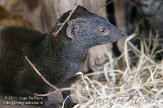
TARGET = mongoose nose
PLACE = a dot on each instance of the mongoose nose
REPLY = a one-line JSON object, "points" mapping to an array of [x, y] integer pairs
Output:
{"points": [[123, 34]]}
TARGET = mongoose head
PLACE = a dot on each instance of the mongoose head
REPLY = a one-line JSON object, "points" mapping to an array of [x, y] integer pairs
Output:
{"points": [[88, 29]]}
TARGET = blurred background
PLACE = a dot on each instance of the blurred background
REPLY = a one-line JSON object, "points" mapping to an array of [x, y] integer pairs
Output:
{"points": [[42, 15]]}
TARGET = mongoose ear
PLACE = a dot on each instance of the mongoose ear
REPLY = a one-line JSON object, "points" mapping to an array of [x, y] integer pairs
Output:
{"points": [[81, 9], [74, 26]]}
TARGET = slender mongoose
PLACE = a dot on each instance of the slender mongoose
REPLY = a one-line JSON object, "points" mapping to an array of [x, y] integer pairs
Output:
{"points": [[58, 56]]}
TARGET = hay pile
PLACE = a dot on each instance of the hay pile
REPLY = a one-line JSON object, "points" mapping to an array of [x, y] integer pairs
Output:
{"points": [[136, 86]]}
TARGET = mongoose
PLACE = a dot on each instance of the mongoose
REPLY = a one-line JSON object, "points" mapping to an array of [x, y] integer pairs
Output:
{"points": [[58, 58]]}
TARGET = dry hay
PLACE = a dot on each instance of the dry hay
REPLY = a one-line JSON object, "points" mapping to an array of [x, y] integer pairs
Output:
{"points": [[135, 86], [138, 86]]}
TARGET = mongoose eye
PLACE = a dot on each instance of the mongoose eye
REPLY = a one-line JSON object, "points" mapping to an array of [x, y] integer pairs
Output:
{"points": [[103, 31]]}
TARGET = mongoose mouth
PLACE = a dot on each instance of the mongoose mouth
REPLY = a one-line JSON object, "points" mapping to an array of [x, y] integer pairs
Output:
{"points": [[113, 40]]}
